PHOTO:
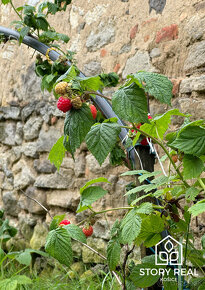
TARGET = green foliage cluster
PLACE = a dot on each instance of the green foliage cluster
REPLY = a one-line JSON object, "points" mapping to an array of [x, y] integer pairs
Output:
{"points": [[144, 221]]}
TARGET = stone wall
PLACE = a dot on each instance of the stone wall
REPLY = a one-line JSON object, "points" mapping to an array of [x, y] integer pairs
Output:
{"points": [[122, 36]]}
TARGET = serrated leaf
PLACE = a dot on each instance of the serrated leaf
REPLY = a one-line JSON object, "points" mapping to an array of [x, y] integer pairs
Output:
{"points": [[5, 2], [57, 153], [130, 226], [144, 176], [91, 83], [151, 229], [159, 124], [191, 193], [24, 258], [197, 208], [75, 232], [8, 284], [92, 181], [23, 32], [101, 139], [113, 254], [130, 104], [145, 208], [90, 195], [76, 126], [68, 75], [191, 140], [28, 9], [143, 278], [110, 79], [115, 228], [42, 23], [58, 245], [156, 85], [193, 166], [55, 221], [22, 279], [170, 281]]}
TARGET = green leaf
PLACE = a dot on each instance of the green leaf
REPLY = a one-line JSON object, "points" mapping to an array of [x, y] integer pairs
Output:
{"points": [[42, 23], [57, 153], [92, 181], [130, 104], [23, 32], [117, 155], [197, 283], [170, 281], [191, 140], [191, 193], [113, 254], [193, 166], [76, 233], [91, 83], [101, 139], [28, 9], [203, 241], [68, 75], [145, 208], [55, 221], [151, 229], [77, 124], [52, 8], [24, 258], [5, 1], [90, 195], [8, 284], [159, 124], [156, 85], [110, 79], [197, 208], [130, 226], [22, 279], [58, 245], [143, 278]]}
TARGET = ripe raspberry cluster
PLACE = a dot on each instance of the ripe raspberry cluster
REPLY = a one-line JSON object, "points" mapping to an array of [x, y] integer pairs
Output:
{"points": [[69, 100]]}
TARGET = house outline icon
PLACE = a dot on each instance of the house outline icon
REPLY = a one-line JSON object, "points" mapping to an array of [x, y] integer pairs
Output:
{"points": [[169, 252]]}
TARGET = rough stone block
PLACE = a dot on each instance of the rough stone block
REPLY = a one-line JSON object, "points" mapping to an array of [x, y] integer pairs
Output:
{"points": [[196, 57], [66, 199], [89, 256], [10, 203], [47, 139], [32, 127], [56, 180]]}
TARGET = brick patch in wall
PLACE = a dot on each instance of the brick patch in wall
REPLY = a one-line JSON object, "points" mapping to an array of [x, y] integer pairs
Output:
{"points": [[167, 33], [103, 52], [116, 68], [133, 31], [176, 84]]}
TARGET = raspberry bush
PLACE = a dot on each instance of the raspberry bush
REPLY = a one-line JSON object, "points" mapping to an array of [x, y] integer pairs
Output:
{"points": [[144, 221]]}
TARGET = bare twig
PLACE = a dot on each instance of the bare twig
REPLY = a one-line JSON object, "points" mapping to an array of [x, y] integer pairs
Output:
{"points": [[97, 93], [128, 252], [91, 249], [37, 203]]}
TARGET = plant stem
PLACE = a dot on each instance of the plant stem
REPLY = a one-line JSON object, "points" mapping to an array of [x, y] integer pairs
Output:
{"points": [[187, 238], [201, 183], [164, 149], [98, 94], [16, 10], [103, 257]]}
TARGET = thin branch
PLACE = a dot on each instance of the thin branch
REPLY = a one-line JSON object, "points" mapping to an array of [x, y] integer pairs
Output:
{"points": [[128, 252], [98, 94], [100, 255], [37, 203]]}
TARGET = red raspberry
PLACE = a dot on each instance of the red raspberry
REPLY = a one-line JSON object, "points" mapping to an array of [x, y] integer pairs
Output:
{"points": [[64, 104], [64, 223], [93, 111], [149, 117], [88, 231]]}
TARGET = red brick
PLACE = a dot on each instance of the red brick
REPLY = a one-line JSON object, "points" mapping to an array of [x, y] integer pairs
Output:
{"points": [[103, 52], [167, 33], [149, 21], [54, 120], [133, 31], [116, 68], [176, 84]]}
